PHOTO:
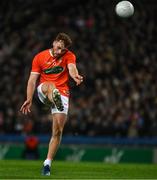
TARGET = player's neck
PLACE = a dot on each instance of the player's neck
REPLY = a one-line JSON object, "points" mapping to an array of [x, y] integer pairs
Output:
{"points": [[51, 52]]}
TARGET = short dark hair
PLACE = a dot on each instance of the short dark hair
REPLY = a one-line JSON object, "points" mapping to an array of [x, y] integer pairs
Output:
{"points": [[65, 38]]}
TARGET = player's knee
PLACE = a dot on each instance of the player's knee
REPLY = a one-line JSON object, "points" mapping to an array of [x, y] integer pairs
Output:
{"points": [[46, 87], [50, 88], [57, 133]]}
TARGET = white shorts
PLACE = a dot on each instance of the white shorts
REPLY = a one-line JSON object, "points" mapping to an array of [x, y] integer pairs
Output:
{"points": [[65, 101]]}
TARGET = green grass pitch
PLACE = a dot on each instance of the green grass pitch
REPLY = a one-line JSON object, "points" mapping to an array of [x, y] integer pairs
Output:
{"points": [[24, 169]]}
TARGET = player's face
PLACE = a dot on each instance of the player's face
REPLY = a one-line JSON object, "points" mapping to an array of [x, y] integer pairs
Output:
{"points": [[58, 48]]}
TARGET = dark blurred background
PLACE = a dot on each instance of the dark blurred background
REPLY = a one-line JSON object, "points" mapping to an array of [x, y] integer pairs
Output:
{"points": [[116, 56]]}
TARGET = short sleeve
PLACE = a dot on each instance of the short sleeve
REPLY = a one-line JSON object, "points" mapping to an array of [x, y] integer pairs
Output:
{"points": [[36, 65], [71, 58]]}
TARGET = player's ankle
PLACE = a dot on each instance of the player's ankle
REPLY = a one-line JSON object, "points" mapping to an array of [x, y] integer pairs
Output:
{"points": [[55, 89], [47, 162]]}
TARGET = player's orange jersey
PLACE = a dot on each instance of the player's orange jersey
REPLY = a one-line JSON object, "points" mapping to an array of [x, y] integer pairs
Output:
{"points": [[53, 70]]}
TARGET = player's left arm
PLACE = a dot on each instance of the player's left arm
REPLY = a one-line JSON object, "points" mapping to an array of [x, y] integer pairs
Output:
{"points": [[73, 71]]}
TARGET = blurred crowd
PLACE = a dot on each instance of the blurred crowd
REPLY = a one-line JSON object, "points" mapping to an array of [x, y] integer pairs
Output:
{"points": [[116, 56]]}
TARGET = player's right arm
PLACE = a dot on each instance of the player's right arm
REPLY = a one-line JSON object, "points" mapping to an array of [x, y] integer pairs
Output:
{"points": [[31, 85]]}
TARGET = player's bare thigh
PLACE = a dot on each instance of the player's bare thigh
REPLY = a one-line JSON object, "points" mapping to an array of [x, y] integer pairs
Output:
{"points": [[59, 120]]}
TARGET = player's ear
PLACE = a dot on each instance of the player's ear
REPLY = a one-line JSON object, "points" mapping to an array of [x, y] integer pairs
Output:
{"points": [[54, 43]]}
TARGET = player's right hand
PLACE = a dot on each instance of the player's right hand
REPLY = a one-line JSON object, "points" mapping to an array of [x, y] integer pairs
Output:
{"points": [[25, 108]]}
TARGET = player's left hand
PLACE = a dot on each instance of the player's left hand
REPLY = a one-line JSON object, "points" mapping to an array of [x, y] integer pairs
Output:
{"points": [[78, 79]]}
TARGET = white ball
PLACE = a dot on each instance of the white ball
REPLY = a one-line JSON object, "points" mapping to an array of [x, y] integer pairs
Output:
{"points": [[124, 9]]}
